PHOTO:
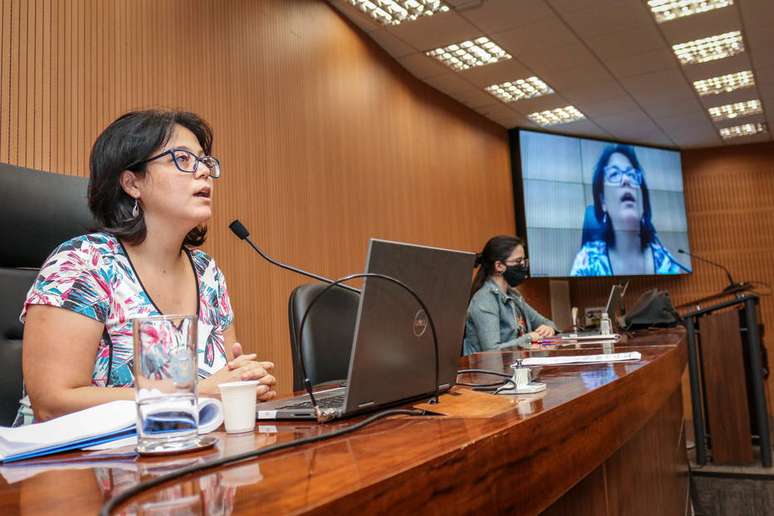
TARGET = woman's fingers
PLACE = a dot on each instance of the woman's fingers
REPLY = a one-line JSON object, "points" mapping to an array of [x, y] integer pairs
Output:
{"points": [[236, 349], [268, 395], [241, 360]]}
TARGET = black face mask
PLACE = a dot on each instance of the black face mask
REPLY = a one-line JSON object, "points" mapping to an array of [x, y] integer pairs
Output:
{"points": [[515, 274]]}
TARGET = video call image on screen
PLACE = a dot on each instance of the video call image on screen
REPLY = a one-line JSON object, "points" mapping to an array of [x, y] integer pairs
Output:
{"points": [[571, 231]]}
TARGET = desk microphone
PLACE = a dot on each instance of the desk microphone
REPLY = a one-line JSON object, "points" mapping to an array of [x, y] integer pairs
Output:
{"points": [[732, 285], [241, 231]]}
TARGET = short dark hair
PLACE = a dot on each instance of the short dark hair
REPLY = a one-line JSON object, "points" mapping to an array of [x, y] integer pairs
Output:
{"points": [[647, 230], [129, 140], [497, 249]]}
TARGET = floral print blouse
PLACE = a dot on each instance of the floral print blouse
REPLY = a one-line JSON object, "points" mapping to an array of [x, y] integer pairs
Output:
{"points": [[92, 275]]}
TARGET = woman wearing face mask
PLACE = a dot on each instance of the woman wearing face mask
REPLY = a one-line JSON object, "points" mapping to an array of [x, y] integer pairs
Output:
{"points": [[498, 316]]}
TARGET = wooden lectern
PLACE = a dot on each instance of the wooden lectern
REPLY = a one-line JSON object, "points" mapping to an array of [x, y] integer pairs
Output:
{"points": [[728, 394]]}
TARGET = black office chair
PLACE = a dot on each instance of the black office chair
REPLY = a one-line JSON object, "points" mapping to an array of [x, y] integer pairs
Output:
{"points": [[328, 332], [38, 211]]}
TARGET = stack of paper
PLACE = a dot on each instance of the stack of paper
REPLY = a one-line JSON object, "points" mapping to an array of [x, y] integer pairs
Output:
{"points": [[93, 427], [581, 359]]}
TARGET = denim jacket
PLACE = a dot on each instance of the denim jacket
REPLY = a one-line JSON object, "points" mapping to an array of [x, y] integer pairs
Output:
{"points": [[491, 322]]}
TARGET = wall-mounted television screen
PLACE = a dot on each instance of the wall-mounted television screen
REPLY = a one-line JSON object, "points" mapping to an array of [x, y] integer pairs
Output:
{"points": [[599, 208]]}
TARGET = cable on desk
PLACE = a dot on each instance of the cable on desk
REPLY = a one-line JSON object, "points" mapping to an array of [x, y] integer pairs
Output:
{"points": [[109, 506], [484, 371]]}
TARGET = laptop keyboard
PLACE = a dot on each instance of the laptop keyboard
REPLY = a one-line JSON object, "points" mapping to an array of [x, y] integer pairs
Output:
{"points": [[331, 402]]}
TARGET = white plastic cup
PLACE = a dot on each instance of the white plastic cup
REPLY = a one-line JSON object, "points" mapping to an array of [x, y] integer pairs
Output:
{"points": [[239, 405]]}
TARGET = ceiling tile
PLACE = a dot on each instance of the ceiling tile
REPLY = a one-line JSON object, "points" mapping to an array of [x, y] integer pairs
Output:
{"points": [[604, 19], [670, 104], [422, 66], [607, 107], [577, 77], [622, 43], [497, 73], [546, 102], [449, 82], [640, 63], [391, 44], [545, 34], [475, 98], [435, 31], [595, 93], [731, 64], [545, 60], [703, 25], [652, 83], [496, 16]]}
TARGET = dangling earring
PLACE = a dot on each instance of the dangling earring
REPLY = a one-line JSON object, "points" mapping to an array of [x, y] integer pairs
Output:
{"points": [[604, 219], [136, 209]]}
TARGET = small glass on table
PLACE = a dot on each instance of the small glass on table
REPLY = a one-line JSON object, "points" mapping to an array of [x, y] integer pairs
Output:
{"points": [[165, 371]]}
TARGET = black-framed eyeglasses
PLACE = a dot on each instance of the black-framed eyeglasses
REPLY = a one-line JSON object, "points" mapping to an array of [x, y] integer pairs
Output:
{"points": [[187, 161], [614, 176], [521, 262]]}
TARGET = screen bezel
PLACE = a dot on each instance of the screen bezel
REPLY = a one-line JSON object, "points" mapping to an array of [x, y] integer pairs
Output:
{"points": [[517, 181]]}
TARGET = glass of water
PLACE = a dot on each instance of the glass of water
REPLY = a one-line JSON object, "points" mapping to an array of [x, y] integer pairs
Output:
{"points": [[165, 380]]}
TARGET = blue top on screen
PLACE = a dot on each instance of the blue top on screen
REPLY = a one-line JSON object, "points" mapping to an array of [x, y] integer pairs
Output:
{"points": [[596, 208]]}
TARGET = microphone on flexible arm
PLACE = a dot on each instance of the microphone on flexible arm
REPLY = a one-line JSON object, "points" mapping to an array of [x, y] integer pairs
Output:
{"points": [[732, 285], [241, 231]]}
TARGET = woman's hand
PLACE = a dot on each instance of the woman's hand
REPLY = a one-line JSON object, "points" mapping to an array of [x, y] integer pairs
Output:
{"points": [[545, 331], [242, 368]]}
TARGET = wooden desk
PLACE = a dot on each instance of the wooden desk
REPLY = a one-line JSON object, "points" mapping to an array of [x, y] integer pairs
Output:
{"points": [[604, 439]]}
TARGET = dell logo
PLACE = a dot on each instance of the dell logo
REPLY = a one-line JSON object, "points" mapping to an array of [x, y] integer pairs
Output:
{"points": [[420, 323]]}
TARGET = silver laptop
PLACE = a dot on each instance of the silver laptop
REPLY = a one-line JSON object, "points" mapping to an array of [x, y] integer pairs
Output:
{"points": [[392, 357]]}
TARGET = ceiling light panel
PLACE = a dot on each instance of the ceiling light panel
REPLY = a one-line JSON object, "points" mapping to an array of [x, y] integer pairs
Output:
{"points": [[395, 12], [725, 83], [512, 91], [736, 110], [469, 54], [666, 10], [742, 130], [709, 49], [563, 115]]}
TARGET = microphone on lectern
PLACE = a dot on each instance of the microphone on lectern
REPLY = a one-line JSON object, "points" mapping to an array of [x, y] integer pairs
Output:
{"points": [[732, 285]]}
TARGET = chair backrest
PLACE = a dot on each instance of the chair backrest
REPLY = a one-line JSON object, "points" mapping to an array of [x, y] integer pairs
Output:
{"points": [[328, 332], [38, 211], [592, 228]]}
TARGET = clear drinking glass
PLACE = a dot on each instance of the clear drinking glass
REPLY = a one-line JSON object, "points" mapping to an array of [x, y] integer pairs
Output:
{"points": [[165, 380]]}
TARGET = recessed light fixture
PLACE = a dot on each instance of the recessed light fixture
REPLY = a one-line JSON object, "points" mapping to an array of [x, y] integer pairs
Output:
{"points": [[468, 54], [512, 91], [735, 110], [395, 12], [666, 10], [725, 83], [709, 49], [742, 130], [563, 115]]}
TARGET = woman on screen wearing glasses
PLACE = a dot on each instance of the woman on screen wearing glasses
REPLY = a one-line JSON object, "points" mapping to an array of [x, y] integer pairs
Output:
{"points": [[150, 190], [498, 316], [627, 243]]}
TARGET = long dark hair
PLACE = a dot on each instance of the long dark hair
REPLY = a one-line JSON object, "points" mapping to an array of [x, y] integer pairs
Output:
{"points": [[129, 140], [647, 230], [497, 249]]}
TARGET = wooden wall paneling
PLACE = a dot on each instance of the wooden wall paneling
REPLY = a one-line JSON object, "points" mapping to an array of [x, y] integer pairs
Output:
{"points": [[325, 140]]}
